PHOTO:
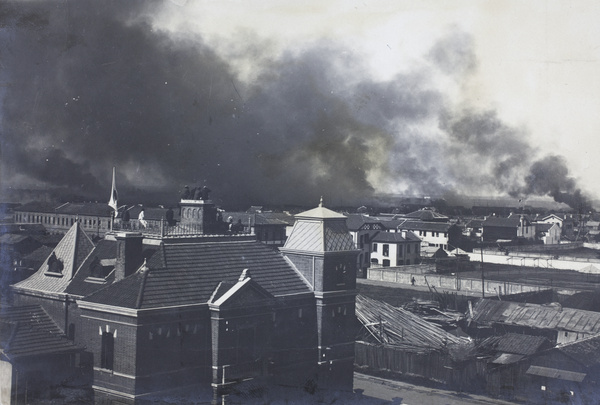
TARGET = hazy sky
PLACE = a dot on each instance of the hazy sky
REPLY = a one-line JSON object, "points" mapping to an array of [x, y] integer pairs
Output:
{"points": [[280, 101]]}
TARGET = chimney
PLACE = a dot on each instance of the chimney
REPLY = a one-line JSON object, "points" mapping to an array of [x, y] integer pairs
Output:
{"points": [[129, 254]]}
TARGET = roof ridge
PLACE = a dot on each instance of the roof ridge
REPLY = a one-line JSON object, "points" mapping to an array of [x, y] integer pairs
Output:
{"points": [[140, 297]]}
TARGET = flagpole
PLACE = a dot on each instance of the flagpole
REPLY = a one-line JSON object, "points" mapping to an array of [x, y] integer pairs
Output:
{"points": [[112, 202]]}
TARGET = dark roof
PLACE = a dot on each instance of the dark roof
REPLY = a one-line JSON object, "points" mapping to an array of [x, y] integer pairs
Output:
{"points": [[537, 316], [424, 226], [426, 215], [515, 343], [188, 273], [395, 237], [512, 222], [36, 206], [39, 255], [90, 208], [28, 331], [542, 227], [355, 222], [585, 351]]}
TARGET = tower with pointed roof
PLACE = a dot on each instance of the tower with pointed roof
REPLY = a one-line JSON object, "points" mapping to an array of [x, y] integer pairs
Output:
{"points": [[321, 248]]}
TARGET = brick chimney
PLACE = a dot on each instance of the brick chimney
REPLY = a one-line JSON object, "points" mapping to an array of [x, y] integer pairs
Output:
{"points": [[129, 254]]}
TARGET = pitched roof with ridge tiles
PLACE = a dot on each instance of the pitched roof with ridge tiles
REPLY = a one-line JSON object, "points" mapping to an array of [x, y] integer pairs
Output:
{"points": [[28, 331], [189, 273], [72, 251]]}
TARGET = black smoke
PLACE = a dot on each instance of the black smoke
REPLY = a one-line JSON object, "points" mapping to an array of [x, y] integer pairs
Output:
{"points": [[89, 85]]}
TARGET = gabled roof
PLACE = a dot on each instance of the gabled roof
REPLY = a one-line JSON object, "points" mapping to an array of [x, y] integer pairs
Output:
{"points": [[28, 331], [512, 222], [188, 273], [536, 316], [245, 292], [355, 222], [426, 215], [424, 226], [395, 237], [71, 251]]}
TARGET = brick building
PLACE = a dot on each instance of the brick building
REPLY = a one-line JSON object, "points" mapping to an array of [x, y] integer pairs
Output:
{"points": [[154, 313]]}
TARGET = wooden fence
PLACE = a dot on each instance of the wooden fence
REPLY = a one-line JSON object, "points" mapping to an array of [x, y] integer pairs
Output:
{"points": [[431, 365]]}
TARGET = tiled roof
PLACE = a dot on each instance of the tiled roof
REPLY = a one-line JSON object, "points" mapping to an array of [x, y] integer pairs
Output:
{"points": [[537, 316], [28, 331], [35, 206], [424, 226], [188, 273], [356, 221], [395, 237], [95, 209], [71, 250]]}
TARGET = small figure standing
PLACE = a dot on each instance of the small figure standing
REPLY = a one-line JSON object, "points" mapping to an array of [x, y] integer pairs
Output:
{"points": [[125, 219], [412, 281], [186, 193], [141, 219], [170, 217], [204, 193]]}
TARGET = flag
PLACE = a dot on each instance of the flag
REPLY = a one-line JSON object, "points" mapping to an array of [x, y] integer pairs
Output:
{"points": [[113, 193]]}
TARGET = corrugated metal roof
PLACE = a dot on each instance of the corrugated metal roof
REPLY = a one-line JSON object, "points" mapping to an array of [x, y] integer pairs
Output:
{"points": [[536, 316], [556, 373]]}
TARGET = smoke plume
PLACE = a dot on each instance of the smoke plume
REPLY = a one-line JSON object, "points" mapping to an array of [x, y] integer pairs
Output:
{"points": [[90, 85]]}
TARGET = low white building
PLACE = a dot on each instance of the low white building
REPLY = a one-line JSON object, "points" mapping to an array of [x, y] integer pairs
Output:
{"points": [[395, 249]]}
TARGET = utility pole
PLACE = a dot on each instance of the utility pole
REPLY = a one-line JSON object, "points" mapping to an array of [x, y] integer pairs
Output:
{"points": [[482, 276]]}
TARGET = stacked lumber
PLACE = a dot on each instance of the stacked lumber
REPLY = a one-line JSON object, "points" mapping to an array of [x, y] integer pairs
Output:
{"points": [[393, 326]]}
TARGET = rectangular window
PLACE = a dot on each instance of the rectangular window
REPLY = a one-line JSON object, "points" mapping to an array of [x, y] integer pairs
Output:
{"points": [[407, 249], [374, 247], [386, 249], [386, 263], [107, 354]]}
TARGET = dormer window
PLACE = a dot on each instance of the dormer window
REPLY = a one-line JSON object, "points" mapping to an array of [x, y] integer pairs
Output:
{"points": [[55, 266]]}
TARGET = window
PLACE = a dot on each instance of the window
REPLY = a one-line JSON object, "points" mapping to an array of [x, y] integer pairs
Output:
{"points": [[386, 249], [374, 247], [386, 263], [407, 249], [107, 354]]}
